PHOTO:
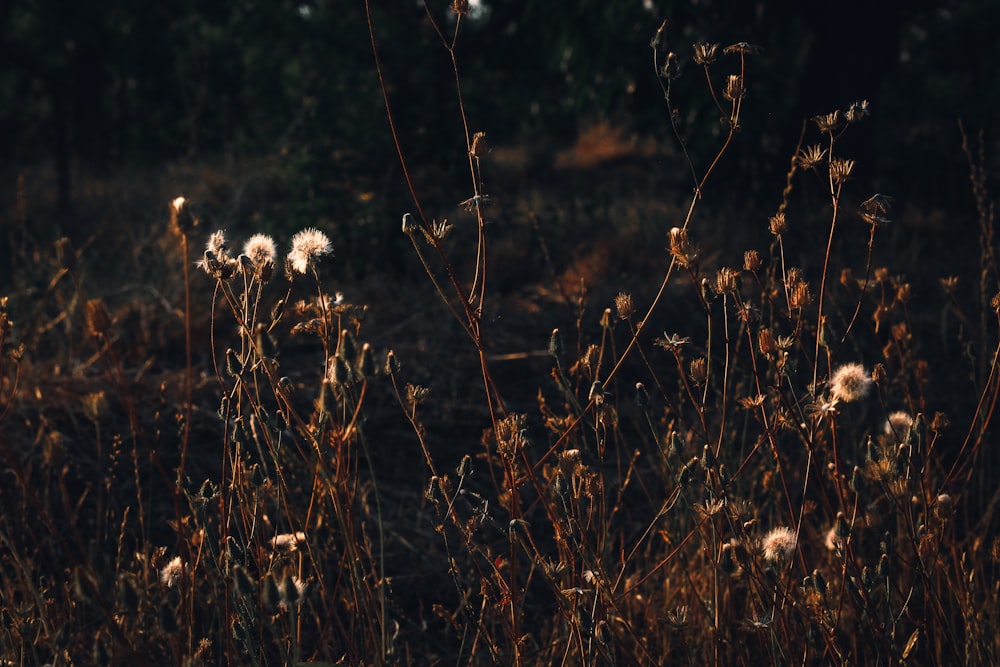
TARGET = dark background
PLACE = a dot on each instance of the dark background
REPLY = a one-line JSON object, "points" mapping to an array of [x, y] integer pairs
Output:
{"points": [[103, 86]]}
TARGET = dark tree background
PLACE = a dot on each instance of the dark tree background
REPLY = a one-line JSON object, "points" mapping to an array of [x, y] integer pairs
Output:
{"points": [[102, 85]]}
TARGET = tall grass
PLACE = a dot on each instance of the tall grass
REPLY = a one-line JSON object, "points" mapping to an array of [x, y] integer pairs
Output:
{"points": [[748, 465]]}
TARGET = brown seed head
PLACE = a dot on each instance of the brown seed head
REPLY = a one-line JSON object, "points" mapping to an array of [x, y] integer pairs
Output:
{"points": [[778, 224], [699, 370], [752, 261], [624, 305], [680, 247], [840, 170], [735, 89], [479, 146], [808, 158], [704, 53], [828, 122]]}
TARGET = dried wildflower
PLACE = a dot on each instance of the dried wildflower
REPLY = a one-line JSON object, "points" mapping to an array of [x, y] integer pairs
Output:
{"points": [[307, 246], [292, 591], [832, 541], [673, 342], [288, 541], [857, 111], [678, 618], [823, 408], [752, 261], [216, 244], [779, 545], [875, 208], [261, 250], [704, 53], [699, 370], [850, 382], [461, 7], [180, 216], [879, 373], [511, 434], [808, 158], [799, 297], [735, 89], [97, 319], [759, 622], [940, 422], [898, 424], [555, 344], [725, 281], [840, 170], [680, 247], [409, 223], [766, 342], [624, 305], [172, 572], [828, 122], [742, 48], [439, 230], [778, 224], [479, 147]]}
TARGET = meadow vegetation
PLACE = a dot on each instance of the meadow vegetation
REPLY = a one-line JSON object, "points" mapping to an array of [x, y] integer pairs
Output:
{"points": [[625, 424]]}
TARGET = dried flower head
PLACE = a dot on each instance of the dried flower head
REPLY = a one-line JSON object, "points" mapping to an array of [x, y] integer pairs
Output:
{"points": [[832, 541], [857, 111], [261, 250], [307, 246], [898, 424], [699, 370], [624, 305], [172, 572], [735, 89], [850, 382], [725, 281], [828, 122], [181, 218], [704, 53], [216, 261], [742, 48], [479, 146], [288, 541], [779, 545], [809, 157], [292, 591], [752, 261], [840, 170], [778, 224], [680, 247]]}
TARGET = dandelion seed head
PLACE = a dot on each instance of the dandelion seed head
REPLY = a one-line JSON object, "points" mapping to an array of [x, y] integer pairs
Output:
{"points": [[260, 249], [779, 544], [307, 246], [288, 541], [850, 382], [172, 572]]}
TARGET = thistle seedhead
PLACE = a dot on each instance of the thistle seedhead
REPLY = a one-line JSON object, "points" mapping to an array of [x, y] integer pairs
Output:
{"points": [[705, 54]]}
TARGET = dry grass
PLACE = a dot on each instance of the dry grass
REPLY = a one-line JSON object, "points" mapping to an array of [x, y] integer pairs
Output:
{"points": [[569, 443]]}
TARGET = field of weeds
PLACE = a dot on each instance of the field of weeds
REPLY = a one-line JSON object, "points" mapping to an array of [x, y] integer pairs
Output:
{"points": [[604, 413]]}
